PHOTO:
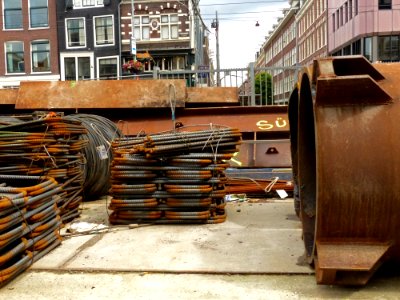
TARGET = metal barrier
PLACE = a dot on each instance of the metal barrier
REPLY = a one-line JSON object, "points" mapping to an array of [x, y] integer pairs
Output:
{"points": [[256, 86]]}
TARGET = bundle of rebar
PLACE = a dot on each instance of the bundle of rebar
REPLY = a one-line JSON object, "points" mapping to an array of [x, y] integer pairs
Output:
{"points": [[47, 147], [100, 132], [29, 221], [257, 187], [176, 177]]}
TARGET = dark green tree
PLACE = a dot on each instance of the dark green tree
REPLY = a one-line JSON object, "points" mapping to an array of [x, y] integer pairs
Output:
{"points": [[263, 88]]}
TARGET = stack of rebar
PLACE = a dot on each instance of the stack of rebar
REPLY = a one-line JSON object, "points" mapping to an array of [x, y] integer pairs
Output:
{"points": [[47, 147], [257, 187], [29, 221], [172, 178]]}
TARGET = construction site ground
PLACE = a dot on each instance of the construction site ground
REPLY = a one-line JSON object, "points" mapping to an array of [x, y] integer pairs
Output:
{"points": [[255, 254]]}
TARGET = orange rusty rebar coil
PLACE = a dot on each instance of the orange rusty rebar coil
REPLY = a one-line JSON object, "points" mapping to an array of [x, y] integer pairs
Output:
{"points": [[175, 215], [344, 129], [176, 202]]}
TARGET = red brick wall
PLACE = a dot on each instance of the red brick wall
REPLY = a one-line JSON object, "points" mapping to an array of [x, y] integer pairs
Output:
{"points": [[27, 35]]}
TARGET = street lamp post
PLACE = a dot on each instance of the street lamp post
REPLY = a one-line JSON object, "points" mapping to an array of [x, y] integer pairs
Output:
{"points": [[215, 24], [133, 39]]}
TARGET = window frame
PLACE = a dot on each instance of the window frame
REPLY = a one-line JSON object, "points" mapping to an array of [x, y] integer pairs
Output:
{"points": [[30, 15], [170, 25], [76, 56], [384, 4], [98, 59], [385, 47], [79, 4], [138, 27], [6, 53], [40, 51], [350, 9], [367, 48], [12, 9], [67, 33], [95, 31]]}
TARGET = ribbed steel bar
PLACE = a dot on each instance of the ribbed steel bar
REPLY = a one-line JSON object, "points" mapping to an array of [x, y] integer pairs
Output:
{"points": [[31, 226], [183, 173]]}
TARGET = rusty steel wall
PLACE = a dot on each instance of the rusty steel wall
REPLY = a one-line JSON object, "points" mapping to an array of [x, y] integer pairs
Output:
{"points": [[346, 161]]}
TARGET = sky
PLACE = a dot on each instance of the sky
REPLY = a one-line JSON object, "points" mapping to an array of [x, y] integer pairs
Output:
{"points": [[239, 37]]}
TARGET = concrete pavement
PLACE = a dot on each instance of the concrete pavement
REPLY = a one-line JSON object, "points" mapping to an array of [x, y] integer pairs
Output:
{"points": [[255, 254]]}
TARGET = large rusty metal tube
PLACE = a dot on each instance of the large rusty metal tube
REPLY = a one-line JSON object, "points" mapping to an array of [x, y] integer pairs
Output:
{"points": [[344, 116]]}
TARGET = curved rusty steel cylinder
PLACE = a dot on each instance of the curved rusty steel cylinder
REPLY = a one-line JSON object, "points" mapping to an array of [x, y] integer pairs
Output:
{"points": [[343, 117]]}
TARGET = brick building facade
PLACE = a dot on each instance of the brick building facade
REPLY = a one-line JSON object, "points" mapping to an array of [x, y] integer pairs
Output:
{"points": [[172, 33], [28, 41]]}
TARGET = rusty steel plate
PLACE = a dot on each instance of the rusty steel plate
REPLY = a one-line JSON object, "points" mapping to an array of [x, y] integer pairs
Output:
{"points": [[101, 94], [8, 96], [346, 161], [263, 120]]}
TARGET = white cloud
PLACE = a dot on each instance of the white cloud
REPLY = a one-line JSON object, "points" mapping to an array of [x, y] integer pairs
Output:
{"points": [[239, 38]]}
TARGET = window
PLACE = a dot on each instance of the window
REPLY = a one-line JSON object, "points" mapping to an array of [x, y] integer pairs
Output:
{"points": [[142, 29], [341, 16], [356, 47], [169, 26], [368, 48], [75, 66], [333, 22], [40, 56], [104, 28], [88, 3], [38, 13], [388, 48], [178, 63], [385, 4], [108, 67], [12, 14], [337, 19], [76, 33], [346, 12], [355, 7], [15, 57], [350, 9], [347, 50]]}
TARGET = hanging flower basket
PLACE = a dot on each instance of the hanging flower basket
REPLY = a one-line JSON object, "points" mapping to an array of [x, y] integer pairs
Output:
{"points": [[133, 66]]}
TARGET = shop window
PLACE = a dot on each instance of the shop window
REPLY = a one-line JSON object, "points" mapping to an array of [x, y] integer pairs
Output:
{"points": [[368, 48], [388, 48], [356, 47]]}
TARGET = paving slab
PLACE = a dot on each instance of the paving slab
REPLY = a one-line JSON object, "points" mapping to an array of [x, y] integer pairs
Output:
{"points": [[82, 267], [257, 238], [36, 285]]}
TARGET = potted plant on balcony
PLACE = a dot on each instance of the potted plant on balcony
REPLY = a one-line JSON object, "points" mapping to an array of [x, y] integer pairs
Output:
{"points": [[133, 66]]}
